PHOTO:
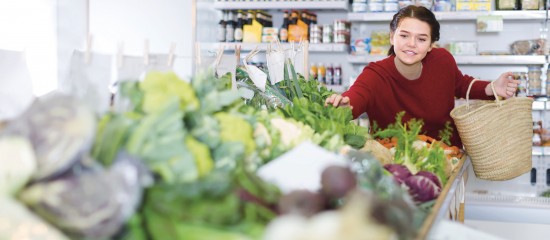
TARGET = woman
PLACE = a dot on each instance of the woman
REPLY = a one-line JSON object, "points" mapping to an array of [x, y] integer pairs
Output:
{"points": [[416, 78]]}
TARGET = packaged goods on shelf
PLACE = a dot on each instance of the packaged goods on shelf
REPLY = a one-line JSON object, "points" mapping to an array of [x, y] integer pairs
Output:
{"points": [[391, 6], [380, 43], [359, 7], [474, 5], [523, 82], [462, 48], [530, 4], [529, 47], [361, 46], [443, 6], [535, 82], [328, 36], [376, 5], [425, 3], [507, 5]]}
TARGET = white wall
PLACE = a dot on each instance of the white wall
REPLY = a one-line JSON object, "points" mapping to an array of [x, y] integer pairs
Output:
{"points": [[30, 26], [72, 28], [131, 22]]}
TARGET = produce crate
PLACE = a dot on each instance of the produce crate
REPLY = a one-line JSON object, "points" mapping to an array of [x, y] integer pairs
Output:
{"points": [[450, 203]]}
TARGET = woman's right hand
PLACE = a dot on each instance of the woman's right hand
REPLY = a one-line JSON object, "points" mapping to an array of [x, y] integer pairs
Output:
{"points": [[337, 100]]}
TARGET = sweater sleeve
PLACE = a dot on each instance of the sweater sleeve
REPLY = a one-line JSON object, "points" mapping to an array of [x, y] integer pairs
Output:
{"points": [[360, 93], [462, 82]]}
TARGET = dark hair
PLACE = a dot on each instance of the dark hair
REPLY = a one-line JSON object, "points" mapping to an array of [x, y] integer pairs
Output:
{"points": [[419, 12]]}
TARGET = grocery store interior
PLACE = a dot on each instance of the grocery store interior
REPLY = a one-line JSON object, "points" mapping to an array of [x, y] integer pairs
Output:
{"points": [[112, 167]]}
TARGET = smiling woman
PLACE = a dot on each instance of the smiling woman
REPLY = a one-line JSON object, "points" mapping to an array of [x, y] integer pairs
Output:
{"points": [[416, 78]]}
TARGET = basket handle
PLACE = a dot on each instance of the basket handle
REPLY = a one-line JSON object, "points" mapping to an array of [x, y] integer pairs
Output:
{"points": [[470, 87]]}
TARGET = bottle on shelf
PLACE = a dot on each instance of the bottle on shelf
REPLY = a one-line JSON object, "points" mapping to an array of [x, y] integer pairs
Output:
{"points": [[222, 28], [338, 75], [283, 32], [293, 17], [230, 28], [238, 32], [329, 74], [249, 17], [321, 73], [313, 71], [305, 18], [260, 18]]}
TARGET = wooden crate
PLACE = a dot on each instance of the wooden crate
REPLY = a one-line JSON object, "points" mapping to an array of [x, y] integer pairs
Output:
{"points": [[450, 203]]}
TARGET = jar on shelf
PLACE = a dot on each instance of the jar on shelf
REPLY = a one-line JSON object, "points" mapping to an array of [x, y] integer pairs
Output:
{"points": [[507, 5], [529, 5], [522, 86], [327, 33], [535, 82]]}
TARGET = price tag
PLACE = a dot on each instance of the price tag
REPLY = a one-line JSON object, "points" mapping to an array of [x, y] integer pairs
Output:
{"points": [[276, 66], [489, 23], [258, 76], [305, 163]]}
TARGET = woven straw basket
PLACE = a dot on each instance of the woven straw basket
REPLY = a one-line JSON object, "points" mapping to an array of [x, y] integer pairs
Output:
{"points": [[497, 135]]}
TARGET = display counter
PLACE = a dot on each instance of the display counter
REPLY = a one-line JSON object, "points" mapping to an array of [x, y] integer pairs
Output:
{"points": [[450, 203]]}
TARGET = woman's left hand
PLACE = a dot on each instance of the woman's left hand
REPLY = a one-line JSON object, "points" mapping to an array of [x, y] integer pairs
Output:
{"points": [[505, 86]]}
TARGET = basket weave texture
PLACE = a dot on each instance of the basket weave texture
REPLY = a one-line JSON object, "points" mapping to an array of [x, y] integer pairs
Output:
{"points": [[497, 135]]}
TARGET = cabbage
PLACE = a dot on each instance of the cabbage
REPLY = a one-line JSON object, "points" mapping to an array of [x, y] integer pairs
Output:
{"points": [[17, 222], [422, 188], [60, 130], [431, 176], [90, 203], [17, 163], [399, 172]]}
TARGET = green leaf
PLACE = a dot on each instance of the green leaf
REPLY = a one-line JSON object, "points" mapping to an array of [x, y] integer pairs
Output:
{"points": [[295, 80]]}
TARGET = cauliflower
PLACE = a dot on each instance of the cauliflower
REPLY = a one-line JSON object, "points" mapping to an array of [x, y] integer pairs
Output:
{"points": [[292, 132]]}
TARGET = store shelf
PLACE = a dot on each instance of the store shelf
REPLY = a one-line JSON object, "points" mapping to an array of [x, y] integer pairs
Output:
{"points": [[282, 4], [500, 59], [313, 47], [363, 59], [472, 60], [541, 104], [452, 16], [541, 151]]}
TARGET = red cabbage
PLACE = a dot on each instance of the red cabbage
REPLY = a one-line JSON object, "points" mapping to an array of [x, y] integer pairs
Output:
{"points": [[422, 188], [399, 172], [431, 176]]}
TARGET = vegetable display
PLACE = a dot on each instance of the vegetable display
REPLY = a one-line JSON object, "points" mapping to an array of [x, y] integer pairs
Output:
{"points": [[178, 160]]}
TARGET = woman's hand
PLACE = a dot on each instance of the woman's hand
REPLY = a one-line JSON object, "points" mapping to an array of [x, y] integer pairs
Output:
{"points": [[337, 101], [505, 86]]}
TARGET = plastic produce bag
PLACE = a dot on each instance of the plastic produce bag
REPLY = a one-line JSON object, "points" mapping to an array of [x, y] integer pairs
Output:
{"points": [[276, 64], [89, 80], [258, 77]]}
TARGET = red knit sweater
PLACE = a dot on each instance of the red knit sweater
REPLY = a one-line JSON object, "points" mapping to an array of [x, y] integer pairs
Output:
{"points": [[382, 92]]}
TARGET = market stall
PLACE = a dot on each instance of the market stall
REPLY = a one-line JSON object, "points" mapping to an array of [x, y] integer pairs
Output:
{"points": [[168, 147]]}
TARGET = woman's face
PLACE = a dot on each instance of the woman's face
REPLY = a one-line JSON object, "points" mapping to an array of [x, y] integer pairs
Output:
{"points": [[411, 40]]}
